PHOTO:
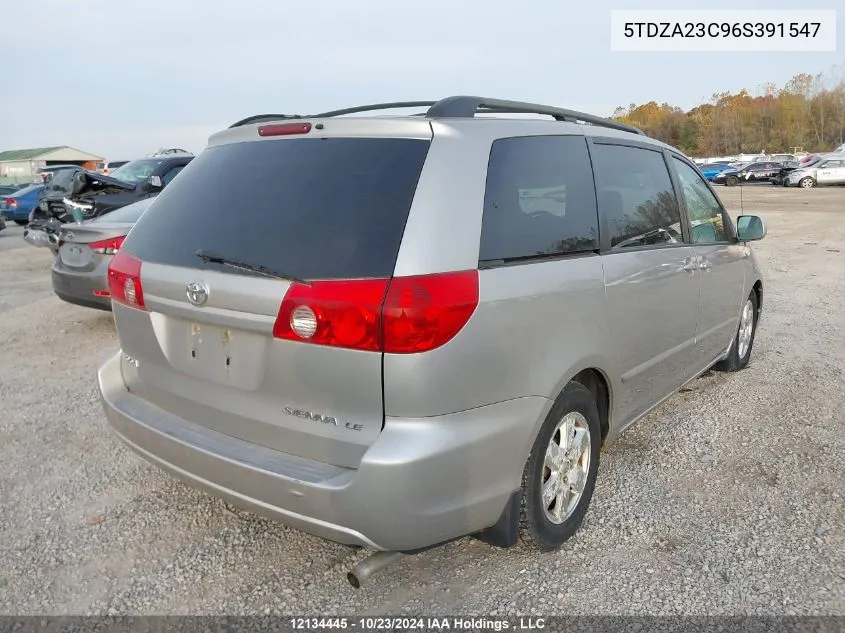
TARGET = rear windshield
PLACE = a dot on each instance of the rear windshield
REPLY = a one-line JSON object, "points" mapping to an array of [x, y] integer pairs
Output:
{"points": [[129, 213], [308, 208]]}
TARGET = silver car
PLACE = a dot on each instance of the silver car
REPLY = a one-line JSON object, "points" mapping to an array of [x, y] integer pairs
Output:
{"points": [[830, 170], [421, 327], [80, 270]]}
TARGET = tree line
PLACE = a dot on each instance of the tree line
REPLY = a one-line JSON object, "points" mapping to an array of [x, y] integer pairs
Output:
{"points": [[807, 112]]}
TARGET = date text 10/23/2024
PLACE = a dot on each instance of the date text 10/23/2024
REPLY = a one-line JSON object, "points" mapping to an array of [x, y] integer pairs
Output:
{"points": [[455, 623]]}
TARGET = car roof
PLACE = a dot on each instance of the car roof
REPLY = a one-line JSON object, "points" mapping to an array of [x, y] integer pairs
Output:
{"points": [[452, 112]]}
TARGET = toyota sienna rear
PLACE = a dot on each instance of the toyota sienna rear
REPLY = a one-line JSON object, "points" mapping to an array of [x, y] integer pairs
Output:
{"points": [[397, 331]]}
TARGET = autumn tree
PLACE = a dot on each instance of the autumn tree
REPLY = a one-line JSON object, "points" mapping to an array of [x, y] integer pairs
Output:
{"points": [[809, 112]]}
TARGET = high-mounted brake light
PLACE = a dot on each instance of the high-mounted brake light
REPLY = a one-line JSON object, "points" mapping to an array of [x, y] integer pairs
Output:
{"points": [[284, 129], [107, 247], [403, 315], [125, 280]]}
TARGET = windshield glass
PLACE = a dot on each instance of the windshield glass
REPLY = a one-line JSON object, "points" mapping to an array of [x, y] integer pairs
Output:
{"points": [[314, 208], [27, 190], [136, 171]]}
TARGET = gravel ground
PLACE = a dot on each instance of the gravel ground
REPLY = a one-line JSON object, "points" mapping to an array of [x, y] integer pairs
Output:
{"points": [[728, 499]]}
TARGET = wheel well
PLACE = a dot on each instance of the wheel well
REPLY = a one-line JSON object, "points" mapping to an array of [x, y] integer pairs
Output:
{"points": [[595, 381]]}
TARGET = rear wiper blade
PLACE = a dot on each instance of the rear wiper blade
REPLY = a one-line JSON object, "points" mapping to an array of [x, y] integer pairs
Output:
{"points": [[214, 258]]}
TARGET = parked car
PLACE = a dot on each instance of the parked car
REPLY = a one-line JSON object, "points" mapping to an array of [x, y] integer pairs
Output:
{"points": [[7, 190], [100, 194], [788, 167], [18, 205], [749, 173], [112, 165], [395, 352], [828, 170], [710, 170], [80, 270]]}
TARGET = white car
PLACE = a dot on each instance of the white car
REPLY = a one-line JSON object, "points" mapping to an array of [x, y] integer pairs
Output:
{"points": [[828, 171]]}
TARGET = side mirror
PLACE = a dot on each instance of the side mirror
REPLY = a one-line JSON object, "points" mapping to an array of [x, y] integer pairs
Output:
{"points": [[155, 181], [750, 228]]}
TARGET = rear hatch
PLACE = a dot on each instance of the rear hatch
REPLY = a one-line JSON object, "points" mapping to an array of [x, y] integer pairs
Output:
{"points": [[213, 342]]}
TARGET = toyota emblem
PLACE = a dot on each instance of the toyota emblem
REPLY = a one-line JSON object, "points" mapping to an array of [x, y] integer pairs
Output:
{"points": [[197, 293]]}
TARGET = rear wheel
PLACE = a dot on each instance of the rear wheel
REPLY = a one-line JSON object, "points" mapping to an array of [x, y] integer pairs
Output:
{"points": [[807, 183], [731, 181], [560, 475], [740, 352]]}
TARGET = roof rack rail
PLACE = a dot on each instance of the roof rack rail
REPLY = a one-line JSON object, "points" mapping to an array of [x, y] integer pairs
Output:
{"points": [[459, 107], [261, 118], [467, 107], [375, 106]]}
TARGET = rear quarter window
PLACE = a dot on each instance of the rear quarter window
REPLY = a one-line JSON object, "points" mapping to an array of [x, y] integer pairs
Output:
{"points": [[311, 208], [540, 199]]}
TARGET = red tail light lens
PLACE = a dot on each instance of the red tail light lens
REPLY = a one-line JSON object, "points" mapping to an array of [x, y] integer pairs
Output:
{"points": [[11, 202], [405, 315], [125, 280], [343, 313], [284, 129], [107, 247], [424, 312]]}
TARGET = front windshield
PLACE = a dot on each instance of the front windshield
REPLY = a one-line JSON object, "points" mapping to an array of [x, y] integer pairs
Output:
{"points": [[135, 172]]}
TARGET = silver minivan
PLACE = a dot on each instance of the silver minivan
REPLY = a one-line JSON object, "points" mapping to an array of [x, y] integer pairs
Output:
{"points": [[395, 331]]}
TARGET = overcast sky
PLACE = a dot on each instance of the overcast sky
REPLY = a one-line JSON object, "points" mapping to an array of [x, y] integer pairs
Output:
{"points": [[121, 79]]}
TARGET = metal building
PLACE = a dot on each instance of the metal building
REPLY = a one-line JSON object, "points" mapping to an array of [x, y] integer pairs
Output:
{"points": [[23, 165]]}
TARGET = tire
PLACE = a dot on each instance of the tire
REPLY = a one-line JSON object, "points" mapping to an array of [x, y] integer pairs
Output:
{"points": [[21, 222], [736, 360], [807, 183], [577, 408], [731, 181]]}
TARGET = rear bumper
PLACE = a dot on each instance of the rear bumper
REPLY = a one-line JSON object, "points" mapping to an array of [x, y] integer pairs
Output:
{"points": [[424, 481], [79, 288]]}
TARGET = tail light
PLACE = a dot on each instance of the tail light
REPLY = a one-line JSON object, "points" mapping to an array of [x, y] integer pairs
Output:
{"points": [[107, 247], [11, 202], [403, 315], [125, 280]]}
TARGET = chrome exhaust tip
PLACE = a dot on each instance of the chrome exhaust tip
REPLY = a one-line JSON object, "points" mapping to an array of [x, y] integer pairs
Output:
{"points": [[370, 565]]}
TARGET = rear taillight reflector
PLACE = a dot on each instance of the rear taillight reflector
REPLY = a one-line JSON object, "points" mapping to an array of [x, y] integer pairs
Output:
{"points": [[125, 280], [107, 247], [405, 315], [284, 129], [342, 313], [101, 293], [424, 312]]}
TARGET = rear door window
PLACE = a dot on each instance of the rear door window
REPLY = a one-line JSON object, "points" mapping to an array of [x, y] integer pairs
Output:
{"points": [[540, 199], [636, 196], [311, 208]]}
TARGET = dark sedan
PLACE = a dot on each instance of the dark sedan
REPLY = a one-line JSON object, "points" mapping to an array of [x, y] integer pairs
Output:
{"points": [[752, 172]]}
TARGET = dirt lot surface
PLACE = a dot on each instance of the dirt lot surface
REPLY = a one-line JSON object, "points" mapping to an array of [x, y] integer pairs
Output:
{"points": [[727, 499]]}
